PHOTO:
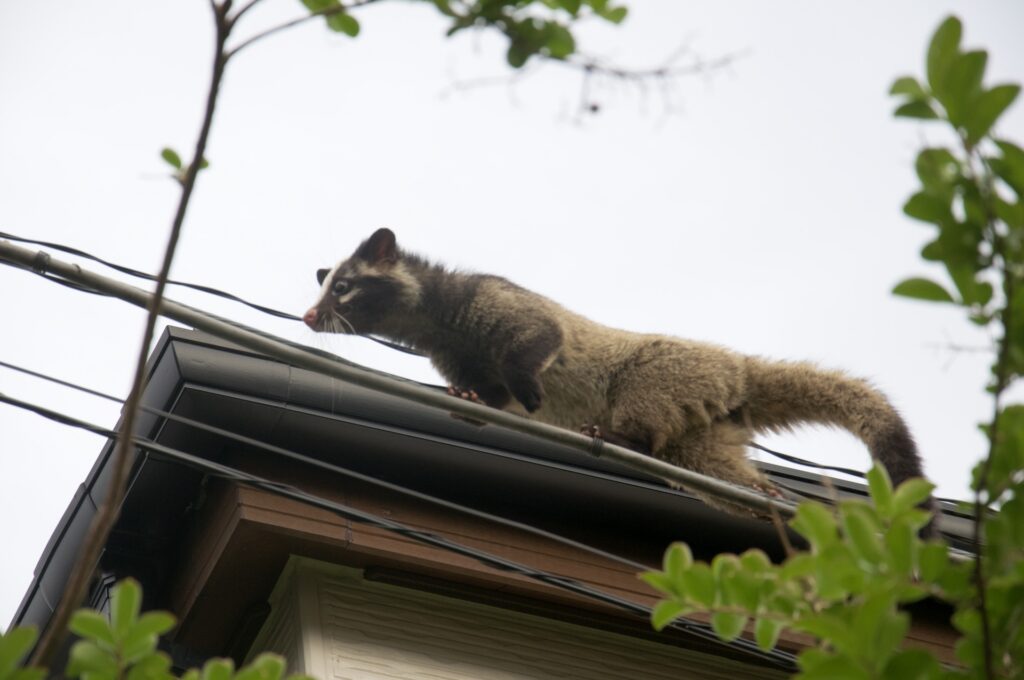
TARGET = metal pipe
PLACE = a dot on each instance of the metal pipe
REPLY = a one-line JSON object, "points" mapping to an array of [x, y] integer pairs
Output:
{"points": [[42, 263]]}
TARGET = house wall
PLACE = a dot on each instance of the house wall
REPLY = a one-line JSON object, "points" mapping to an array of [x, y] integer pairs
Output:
{"points": [[332, 624]]}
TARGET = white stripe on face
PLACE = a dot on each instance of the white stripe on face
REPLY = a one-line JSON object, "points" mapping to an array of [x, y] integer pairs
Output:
{"points": [[348, 296], [325, 287]]}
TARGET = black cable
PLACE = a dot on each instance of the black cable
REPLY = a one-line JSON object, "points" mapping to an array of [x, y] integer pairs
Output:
{"points": [[801, 461], [777, 657], [184, 284], [337, 469], [149, 277], [74, 286]]}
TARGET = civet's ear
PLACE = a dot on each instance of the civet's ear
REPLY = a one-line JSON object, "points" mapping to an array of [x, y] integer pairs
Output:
{"points": [[321, 274], [379, 248]]}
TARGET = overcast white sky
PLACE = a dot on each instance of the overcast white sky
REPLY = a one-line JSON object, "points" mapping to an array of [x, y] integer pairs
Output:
{"points": [[763, 213]]}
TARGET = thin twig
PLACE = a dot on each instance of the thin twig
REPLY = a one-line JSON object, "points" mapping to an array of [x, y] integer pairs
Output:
{"points": [[781, 529], [954, 347], [330, 11], [980, 510], [593, 67], [109, 510], [240, 13], [663, 72], [1002, 381]]}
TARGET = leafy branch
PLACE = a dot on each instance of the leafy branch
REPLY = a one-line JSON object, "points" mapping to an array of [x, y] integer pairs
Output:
{"points": [[967, 193], [124, 647], [865, 561]]}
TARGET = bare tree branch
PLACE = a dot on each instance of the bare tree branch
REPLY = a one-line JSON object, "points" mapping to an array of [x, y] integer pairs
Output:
{"points": [[109, 510], [595, 70]]}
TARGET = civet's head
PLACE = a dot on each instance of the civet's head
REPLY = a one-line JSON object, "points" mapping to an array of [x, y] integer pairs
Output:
{"points": [[360, 293]]}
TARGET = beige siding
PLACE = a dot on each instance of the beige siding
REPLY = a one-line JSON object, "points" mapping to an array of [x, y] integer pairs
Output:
{"points": [[350, 629]]}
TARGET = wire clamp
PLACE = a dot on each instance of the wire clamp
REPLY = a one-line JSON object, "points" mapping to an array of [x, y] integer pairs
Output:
{"points": [[41, 262]]}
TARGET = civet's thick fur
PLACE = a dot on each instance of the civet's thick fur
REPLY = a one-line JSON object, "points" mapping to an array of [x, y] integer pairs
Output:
{"points": [[692, 404]]}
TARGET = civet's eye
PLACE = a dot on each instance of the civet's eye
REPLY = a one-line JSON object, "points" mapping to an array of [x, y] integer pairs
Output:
{"points": [[339, 288]]}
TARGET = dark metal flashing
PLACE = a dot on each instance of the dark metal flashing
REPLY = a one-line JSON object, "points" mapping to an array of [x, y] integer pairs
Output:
{"points": [[199, 376]]}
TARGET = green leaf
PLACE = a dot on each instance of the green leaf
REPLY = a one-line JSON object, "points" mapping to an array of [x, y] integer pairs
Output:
{"points": [[266, 666], [517, 54], [724, 565], [667, 611], [928, 208], [912, 664], [938, 170], [88, 657], [26, 674], [15, 644], [908, 86], [743, 588], [922, 289], [728, 626], [837, 573], [830, 667], [861, 531], [343, 22], [445, 7], [92, 625], [827, 626], [942, 52], [698, 584], [557, 41], [678, 559], [967, 621], [218, 669], [1010, 167], [153, 666], [877, 627], [315, 6], [125, 602], [142, 638], [880, 486], [799, 565], [755, 561], [172, 157], [815, 522], [989, 106], [900, 544], [916, 109], [616, 15], [963, 84], [911, 493], [570, 6], [766, 632], [660, 581]]}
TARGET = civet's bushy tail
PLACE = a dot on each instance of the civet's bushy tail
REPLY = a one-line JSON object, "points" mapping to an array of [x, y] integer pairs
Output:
{"points": [[781, 395]]}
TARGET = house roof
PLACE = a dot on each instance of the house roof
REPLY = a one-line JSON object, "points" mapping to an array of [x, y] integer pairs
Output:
{"points": [[489, 468]]}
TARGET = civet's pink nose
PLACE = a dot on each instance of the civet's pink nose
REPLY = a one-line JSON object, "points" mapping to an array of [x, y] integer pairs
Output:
{"points": [[311, 318]]}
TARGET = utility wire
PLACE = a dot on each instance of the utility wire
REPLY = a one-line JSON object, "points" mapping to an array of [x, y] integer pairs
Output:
{"points": [[776, 657], [340, 470]]}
